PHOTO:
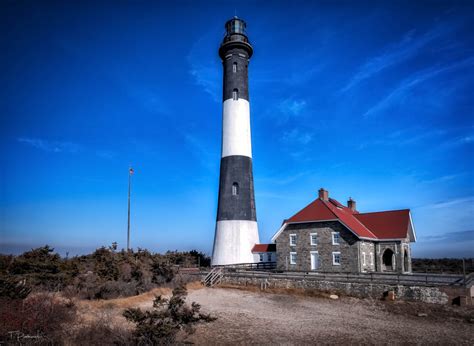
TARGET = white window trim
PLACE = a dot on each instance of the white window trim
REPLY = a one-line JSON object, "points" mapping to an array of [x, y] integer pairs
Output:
{"points": [[333, 258], [293, 244], [311, 239], [363, 259], [269, 257], [333, 233], [371, 258], [311, 253], [293, 253], [261, 257]]}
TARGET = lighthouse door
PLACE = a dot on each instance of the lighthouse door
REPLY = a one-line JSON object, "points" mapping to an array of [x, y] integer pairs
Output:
{"points": [[314, 260]]}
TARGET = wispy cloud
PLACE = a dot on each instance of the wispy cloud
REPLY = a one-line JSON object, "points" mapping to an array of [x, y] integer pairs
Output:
{"points": [[458, 141], [398, 52], [403, 89], [204, 68], [459, 236], [292, 106], [50, 146], [273, 195], [469, 200], [443, 178], [106, 154], [401, 138], [206, 77], [297, 136], [283, 180], [147, 97], [207, 156]]}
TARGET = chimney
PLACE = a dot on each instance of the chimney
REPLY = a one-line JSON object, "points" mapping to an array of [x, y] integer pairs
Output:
{"points": [[323, 194], [351, 204]]}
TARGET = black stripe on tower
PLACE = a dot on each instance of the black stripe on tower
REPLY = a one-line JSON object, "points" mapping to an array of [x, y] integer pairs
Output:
{"points": [[236, 75], [236, 191]]}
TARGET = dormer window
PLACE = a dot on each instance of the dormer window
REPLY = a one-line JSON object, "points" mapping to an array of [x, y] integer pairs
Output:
{"points": [[235, 189], [235, 94]]}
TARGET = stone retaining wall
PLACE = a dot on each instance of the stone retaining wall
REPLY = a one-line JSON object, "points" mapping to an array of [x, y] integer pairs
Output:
{"points": [[437, 295]]}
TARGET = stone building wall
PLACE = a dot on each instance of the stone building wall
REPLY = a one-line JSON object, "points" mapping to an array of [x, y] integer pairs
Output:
{"points": [[348, 247], [427, 294]]}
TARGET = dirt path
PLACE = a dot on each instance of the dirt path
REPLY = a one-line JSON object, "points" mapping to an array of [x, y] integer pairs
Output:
{"points": [[263, 318]]}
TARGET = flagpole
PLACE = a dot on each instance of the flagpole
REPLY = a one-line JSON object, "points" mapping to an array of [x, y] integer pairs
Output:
{"points": [[128, 226]]}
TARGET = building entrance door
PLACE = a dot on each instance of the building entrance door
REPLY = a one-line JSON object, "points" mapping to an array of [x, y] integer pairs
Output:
{"points": [[314, 260]]}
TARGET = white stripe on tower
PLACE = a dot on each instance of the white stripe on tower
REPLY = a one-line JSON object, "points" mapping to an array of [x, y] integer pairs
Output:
{"points": [[234, 241], [236, 138]]}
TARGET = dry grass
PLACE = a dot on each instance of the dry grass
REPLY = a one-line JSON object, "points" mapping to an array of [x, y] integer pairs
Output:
{"points": [[126, 302], [141, 300], [289, 291]]}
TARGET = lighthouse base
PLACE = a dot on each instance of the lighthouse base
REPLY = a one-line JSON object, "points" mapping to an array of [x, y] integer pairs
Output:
{"points": [[234, 241]]}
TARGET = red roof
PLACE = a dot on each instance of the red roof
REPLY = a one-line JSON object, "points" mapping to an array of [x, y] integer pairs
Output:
{"points": [[392, 224], [315, 211], [264, 248]]}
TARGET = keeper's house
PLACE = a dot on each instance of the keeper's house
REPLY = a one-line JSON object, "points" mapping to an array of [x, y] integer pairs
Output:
{"points": [[327, 236]]}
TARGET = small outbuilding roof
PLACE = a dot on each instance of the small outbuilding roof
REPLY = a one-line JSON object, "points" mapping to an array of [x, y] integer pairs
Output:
{"points": [[264, 248]]}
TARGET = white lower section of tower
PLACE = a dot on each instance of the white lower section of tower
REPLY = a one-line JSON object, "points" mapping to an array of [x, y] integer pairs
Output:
{"points": [[236, 139], [233, 242]]}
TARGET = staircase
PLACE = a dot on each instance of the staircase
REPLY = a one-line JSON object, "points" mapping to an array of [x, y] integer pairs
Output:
{"points": [[214, 277]]}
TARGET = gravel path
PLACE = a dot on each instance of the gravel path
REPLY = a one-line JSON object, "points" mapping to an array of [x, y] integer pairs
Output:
{"points": [[246, 317]]}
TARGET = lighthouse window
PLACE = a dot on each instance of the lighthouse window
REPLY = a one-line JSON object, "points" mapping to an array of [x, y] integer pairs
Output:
{"points": [[235, 94], [234, 67], [235, 189]]}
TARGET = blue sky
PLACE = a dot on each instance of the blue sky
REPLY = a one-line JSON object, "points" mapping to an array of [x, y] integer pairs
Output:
{"points": [[372, 100]]}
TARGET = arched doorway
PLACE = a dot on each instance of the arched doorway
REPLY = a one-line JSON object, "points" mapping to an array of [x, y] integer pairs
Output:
{"points": [[388, 260]]}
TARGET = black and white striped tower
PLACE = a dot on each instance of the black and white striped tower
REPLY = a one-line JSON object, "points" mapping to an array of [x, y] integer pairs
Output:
{"points": [[236, 228]]}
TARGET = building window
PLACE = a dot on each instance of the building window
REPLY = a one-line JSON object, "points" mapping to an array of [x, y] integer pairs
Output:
{"points": [[269, 257], [235, 189], [336, 258], [371, 259], [363, 258], [314, 238], [292, 257], [335, 238], [235, 94], [261, 257], [234, 67], [292, 239]]}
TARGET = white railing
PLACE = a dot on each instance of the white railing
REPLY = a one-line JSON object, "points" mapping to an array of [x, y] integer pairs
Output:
{"points": [[214, 277]]}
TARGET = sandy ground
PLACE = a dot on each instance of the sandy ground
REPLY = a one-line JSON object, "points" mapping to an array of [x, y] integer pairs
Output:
{"points": [[246, 317], [255, 317]]}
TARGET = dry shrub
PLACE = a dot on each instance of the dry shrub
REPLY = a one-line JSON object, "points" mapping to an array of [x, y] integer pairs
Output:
{"points": [[42, 315], [161, 324], [101, 332]]}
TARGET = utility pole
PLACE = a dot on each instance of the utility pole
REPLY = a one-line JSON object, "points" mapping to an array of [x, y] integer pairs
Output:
{"points": [[130, 172]]}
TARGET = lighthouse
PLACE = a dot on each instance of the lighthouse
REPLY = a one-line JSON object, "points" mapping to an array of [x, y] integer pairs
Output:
{"points": [[236, 226]]}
